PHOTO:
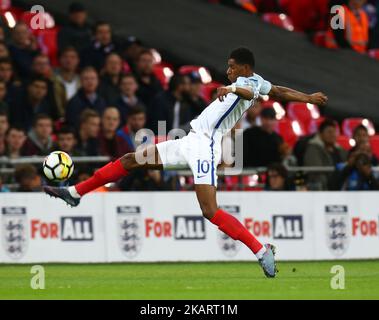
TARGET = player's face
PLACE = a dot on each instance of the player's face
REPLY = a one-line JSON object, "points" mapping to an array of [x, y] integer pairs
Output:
{"points": [[235, 70]]}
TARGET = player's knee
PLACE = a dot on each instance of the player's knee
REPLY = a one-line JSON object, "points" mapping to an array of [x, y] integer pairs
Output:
{"points": [[128, 161], [208, 211]]}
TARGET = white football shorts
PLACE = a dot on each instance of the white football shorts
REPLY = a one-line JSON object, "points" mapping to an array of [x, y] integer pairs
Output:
{"points": [[198, 151]]}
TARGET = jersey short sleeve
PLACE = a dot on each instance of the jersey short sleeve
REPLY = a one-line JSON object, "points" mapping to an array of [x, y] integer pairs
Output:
{"points": [[265, 86], [245, 83]]}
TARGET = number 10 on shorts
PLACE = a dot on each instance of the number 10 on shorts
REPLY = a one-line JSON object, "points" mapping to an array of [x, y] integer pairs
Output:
{"points": [[203, 166]]}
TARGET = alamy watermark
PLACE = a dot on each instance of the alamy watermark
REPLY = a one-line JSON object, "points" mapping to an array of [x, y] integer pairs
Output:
{"points": [[37, 281], [337, 21], [337, 282]]}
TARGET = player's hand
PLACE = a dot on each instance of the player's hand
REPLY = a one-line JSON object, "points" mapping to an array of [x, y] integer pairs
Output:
{"points": [[318, 98], [222, 92]]}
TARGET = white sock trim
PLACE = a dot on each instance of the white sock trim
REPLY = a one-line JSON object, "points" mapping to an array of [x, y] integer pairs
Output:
{"points": [[261, 252], [73, 192]]}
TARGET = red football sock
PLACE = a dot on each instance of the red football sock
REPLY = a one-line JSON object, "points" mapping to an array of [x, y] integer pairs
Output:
{"points": [[234, 229], [111, 172]]}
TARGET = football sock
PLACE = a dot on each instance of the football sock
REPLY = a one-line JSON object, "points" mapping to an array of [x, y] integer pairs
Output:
{"points": [[111, 172], [234, 229]]}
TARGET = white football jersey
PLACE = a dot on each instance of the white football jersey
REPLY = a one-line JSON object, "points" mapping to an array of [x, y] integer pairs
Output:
{"points": [[221, 116]]}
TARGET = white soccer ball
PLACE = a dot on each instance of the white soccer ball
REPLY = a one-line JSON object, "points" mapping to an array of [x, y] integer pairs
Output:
{"points": [[58, 166]]}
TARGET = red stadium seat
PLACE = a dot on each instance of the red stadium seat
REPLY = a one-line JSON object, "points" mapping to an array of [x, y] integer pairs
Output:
{"points": [[374, 53], [349, 124], [290, 130], [280, 20], [204, 73], [48, 21], [374, 141], [303, 112], [345, 142], [48, 42], [208, 89], [277, 106], [163, 72]]}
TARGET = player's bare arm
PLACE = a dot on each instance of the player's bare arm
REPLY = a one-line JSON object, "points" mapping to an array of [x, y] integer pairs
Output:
{"points": [[288, 94], [243, 93]]}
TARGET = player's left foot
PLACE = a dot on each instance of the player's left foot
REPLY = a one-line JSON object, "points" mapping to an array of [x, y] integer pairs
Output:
{"points": [[267, 261], [62, 193]]}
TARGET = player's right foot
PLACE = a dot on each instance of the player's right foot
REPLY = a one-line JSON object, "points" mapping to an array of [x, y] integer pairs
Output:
{"points": [[62, 193], [267, 261]]}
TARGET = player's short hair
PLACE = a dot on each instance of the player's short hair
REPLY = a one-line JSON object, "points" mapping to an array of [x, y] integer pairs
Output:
{"points": [[326, 124], [38, 78], [3, 113], [243, 56]]}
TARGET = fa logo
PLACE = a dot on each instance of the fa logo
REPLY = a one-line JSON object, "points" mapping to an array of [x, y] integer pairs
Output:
{"points": [[337, 22], [338, 280], [38, 280], [38, 20]]}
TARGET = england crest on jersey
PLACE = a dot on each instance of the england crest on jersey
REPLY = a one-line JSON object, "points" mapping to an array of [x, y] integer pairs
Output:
{"points": [[14, 231], [129, 230]]}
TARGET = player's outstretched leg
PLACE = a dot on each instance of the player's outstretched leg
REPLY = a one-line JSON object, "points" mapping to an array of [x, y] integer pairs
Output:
{"points": [[111, 172], [228, 224]]}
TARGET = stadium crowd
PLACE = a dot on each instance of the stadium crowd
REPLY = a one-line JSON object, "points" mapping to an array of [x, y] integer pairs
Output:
{"points": [[103, 90], [360, 18]]}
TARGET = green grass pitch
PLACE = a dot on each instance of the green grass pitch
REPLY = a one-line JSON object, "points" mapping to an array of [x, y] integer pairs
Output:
{"points": [[232, 280]]}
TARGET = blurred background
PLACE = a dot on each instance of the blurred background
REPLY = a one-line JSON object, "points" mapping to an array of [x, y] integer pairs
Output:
{"points": [[85, 77]]}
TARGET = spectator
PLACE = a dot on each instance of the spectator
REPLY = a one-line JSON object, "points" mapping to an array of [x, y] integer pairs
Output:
{"points": [[41, 67], [3, 92], [95, 54], [28, 179], [66, 79], [4, 125], [355, 34], [66, 141], [23, 49], [4, 52], [111, 76], [39, 140], [198, 104], [360, 135], [132, 48], [31, 102], [7, 75], [15, 140], [149, 85], [128, 99], [86, 97], [261, 143], [171, 106], [355, 175], [3, 188], [323, 151], [88, 133], [112, 144], [136, 121], [77, 33], [277, 178]]}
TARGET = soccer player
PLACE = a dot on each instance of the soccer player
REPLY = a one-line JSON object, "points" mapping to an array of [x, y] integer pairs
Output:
{"points": [[201, 150]]}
